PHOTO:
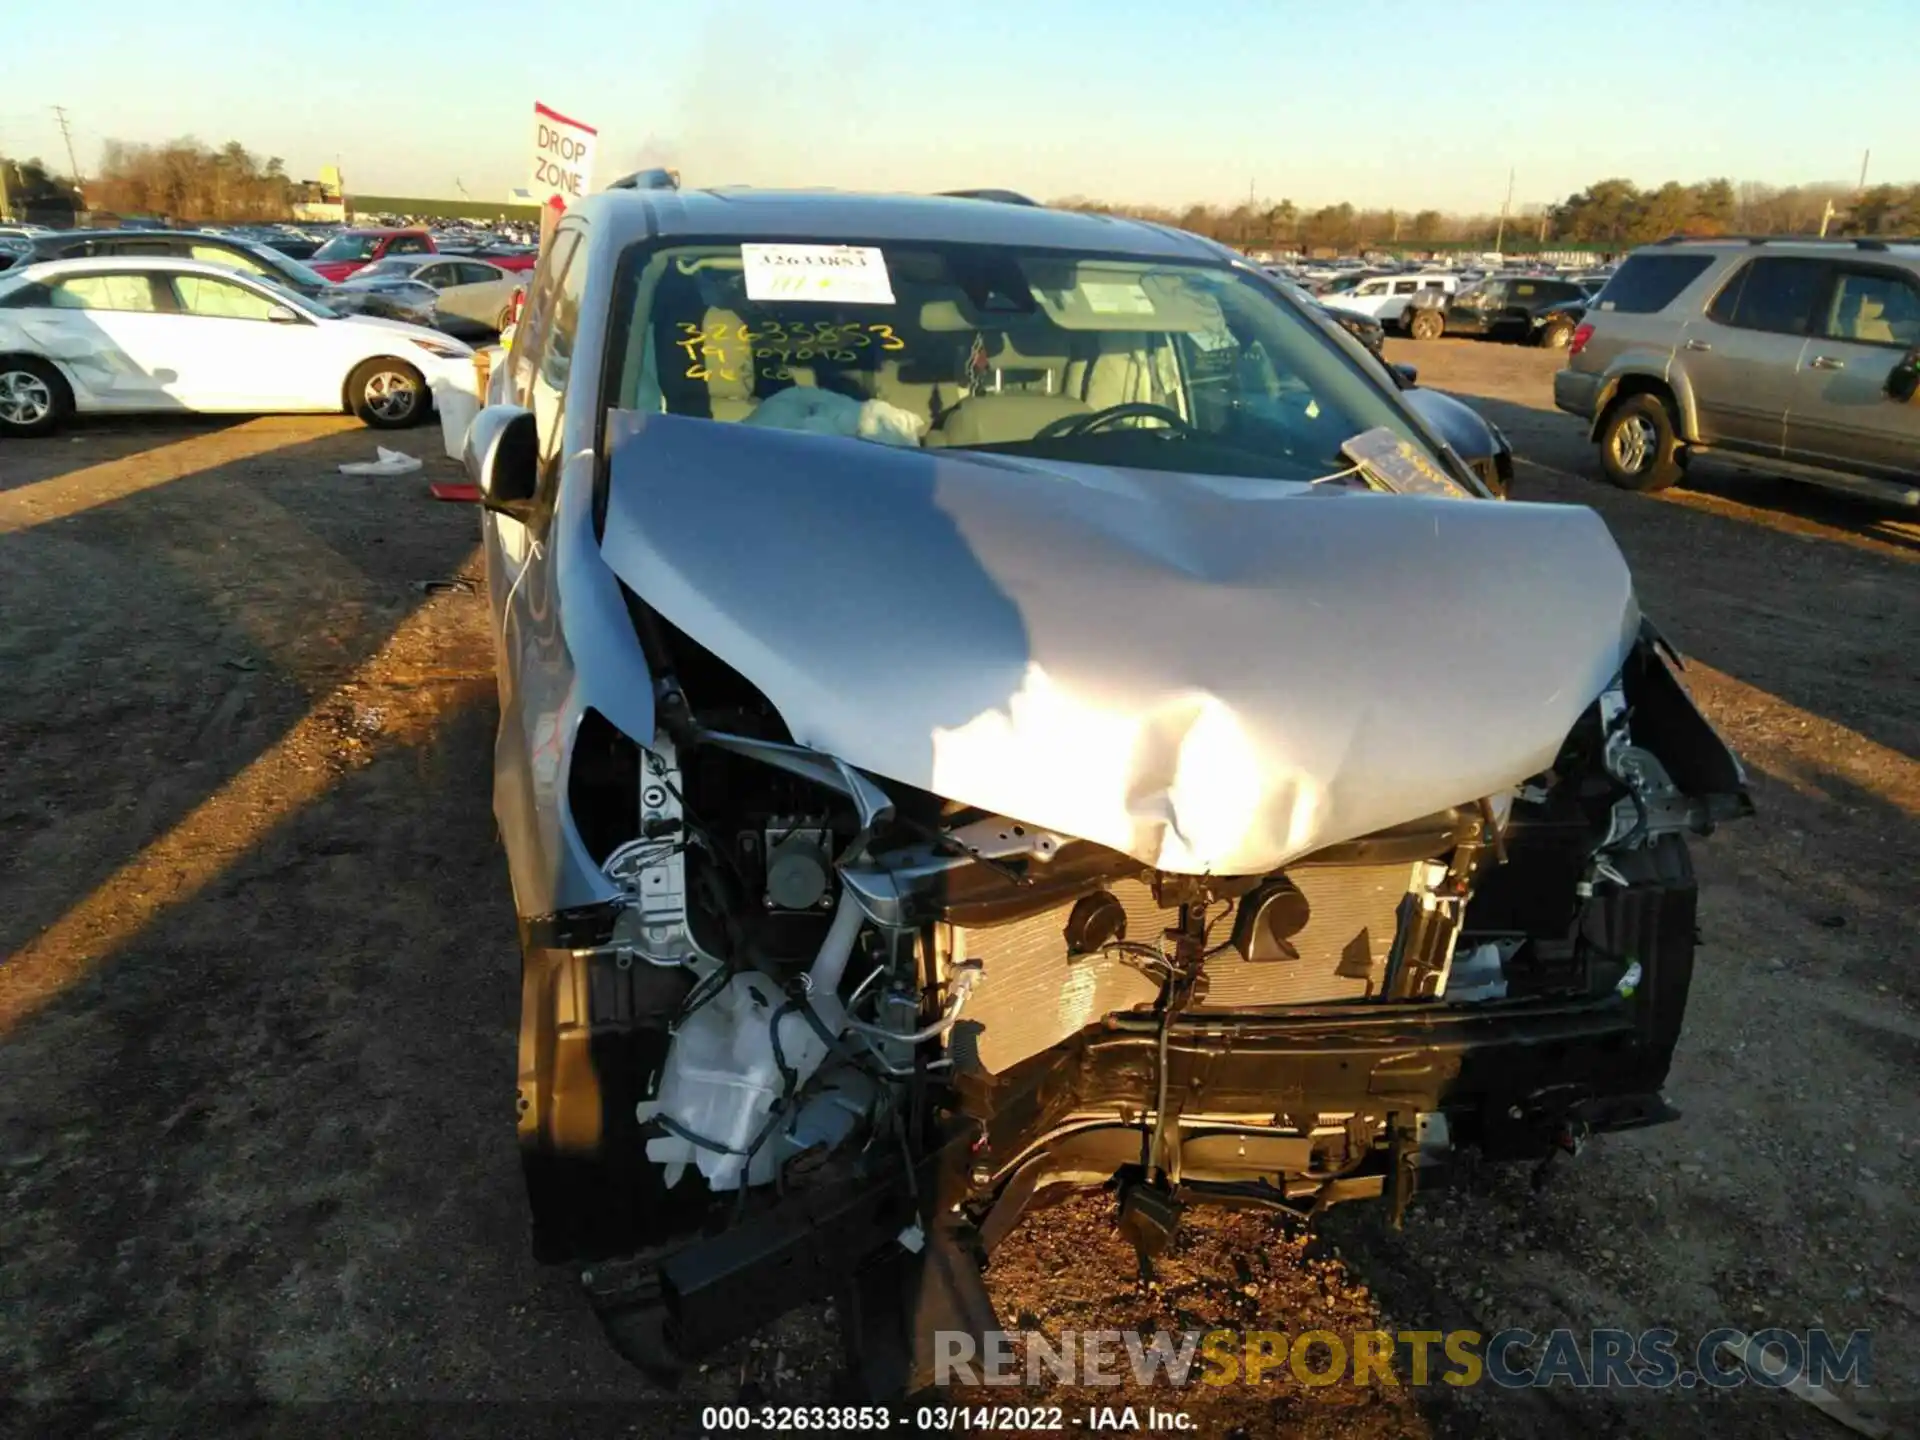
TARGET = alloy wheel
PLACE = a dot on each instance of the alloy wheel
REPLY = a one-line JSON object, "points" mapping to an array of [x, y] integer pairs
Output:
{"points": [[25, 399], [1634, 442], [391, 395]]}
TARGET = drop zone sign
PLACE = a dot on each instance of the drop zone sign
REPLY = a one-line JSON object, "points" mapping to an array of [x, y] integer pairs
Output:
{"points": [[562, 157]]}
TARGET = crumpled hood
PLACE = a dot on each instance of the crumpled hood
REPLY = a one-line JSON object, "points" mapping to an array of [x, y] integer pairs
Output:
{"points": [[1211, 674]]}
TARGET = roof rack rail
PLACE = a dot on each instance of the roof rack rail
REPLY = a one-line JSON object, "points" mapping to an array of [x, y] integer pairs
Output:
{"points": [[1859, 242], [1002, 197]]}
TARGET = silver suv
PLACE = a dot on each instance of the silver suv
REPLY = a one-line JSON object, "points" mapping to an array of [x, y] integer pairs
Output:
{"points": [[1793, 356]]}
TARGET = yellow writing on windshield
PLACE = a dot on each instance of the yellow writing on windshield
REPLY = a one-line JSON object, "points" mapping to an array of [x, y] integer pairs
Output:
{"points": [[725, 351]]}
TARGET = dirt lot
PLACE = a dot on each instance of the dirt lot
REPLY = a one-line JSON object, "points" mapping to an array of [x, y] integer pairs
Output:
{"points": [[257, 1013]]}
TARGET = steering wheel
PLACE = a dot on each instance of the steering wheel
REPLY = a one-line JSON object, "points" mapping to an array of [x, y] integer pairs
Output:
{"points": [[1068, 425]]}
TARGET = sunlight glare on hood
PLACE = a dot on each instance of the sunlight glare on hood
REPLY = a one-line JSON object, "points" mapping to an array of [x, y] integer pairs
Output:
{"points": [[1195, 779]]}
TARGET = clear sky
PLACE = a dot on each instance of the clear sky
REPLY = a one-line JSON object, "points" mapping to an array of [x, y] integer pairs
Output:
{"points": [[1373, 101]]}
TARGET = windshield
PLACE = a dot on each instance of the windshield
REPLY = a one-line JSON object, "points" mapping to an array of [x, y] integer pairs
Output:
{"points": [[1142, 363], [347, 247]]}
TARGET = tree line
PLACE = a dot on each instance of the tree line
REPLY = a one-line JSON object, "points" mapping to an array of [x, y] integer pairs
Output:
{"points": [[1611, 214], [186, 180]]}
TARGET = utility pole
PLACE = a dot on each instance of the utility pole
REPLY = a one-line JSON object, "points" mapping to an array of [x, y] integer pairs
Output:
{"points": [[1868, 155], [1500, 235], [73, 165]]}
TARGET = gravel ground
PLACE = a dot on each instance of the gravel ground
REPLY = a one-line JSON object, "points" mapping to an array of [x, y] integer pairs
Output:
{"points": [[256, 1019]]}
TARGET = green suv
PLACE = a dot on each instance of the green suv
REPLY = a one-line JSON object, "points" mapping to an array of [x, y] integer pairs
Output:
{"points": [[1794, 356]]}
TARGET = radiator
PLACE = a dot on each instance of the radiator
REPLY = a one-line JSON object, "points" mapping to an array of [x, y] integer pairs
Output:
{"points": [[1032, 994]]}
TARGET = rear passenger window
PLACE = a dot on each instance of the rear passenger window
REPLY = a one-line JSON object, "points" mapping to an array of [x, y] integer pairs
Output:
{"points": [[130, 292], [1874, 308], [1647, 283], [1775, 293], [1405, 287]]}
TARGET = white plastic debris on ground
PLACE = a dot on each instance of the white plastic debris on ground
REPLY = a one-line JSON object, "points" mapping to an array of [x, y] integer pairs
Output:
{"points": [[391, 462]]}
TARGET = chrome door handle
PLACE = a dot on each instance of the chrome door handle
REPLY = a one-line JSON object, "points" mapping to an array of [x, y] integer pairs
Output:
{"points": [[1698, 345], [1827, 362]]}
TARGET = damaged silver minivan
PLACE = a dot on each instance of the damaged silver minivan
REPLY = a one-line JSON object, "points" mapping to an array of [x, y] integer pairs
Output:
{"points": [[996, 701]]}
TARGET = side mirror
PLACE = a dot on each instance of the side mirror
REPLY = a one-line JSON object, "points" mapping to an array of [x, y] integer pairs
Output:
{"points": [[1407, 375], [281, 315], [501, 455], [1903, 381]]}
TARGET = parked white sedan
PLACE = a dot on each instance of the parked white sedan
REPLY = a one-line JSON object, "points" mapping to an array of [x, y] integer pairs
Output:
{"points": [[159, 333]]}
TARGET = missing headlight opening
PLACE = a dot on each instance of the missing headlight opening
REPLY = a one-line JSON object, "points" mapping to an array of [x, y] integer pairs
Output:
{"points": [[824, 1009]]}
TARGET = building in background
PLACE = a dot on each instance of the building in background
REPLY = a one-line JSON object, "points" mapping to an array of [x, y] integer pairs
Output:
{"points": [[321, 201]]}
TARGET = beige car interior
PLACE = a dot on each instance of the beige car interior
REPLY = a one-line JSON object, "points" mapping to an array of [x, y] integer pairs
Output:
{"points": [[1862, 317], [1035, 375], [976, 379]]}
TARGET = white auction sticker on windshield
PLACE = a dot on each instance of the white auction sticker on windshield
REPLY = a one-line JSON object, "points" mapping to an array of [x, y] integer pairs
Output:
{"points": [[848, 274]]}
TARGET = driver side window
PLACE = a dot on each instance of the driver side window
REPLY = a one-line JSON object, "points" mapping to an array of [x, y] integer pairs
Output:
{"points": [[530, 338], [551, 358]]}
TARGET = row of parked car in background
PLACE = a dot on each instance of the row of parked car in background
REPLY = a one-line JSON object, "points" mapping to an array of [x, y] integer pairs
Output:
{"points": [[1798, 356], [458, 281], [1534, 306]]}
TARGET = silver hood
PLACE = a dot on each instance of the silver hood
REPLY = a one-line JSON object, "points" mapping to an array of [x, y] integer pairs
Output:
{"points": [[1211, 674]]}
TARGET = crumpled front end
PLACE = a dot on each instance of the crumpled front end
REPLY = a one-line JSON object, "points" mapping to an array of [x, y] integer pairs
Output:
{"points": [[1007, 829]]}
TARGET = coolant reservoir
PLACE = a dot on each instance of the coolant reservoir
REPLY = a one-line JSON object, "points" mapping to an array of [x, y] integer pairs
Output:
{"points": [[721, 1081]]}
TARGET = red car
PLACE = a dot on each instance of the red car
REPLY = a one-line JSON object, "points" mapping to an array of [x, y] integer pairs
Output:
{"points": [[351, 249]]}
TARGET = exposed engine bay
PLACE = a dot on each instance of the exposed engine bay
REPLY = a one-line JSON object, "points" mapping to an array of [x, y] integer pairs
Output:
{"points": [[833, 1021]]}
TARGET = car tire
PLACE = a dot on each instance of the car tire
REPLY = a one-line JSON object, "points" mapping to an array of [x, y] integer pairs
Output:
{"points": [[1556, 336], [1639, 447], [388, 394], [1427, 325], [34, 396]]}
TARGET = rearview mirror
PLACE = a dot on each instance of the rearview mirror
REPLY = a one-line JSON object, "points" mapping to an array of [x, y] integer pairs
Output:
{"points": [[1903, 381], [501, 459], [281, 315], [1406, 375]]}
